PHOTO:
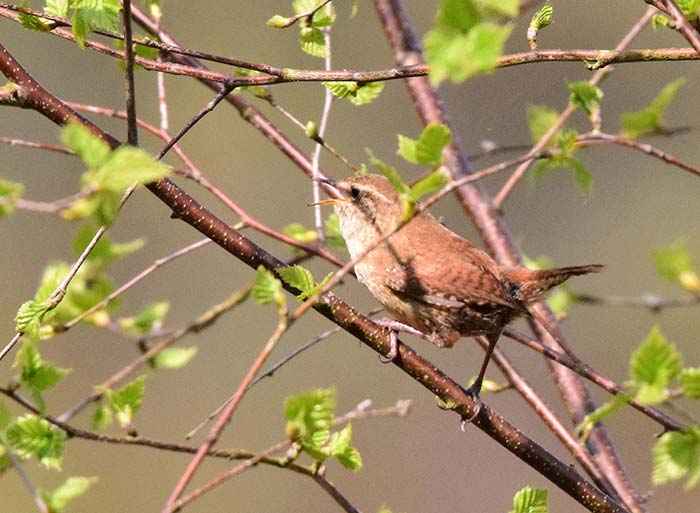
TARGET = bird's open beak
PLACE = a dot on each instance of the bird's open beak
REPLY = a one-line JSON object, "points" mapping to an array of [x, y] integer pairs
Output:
{"points": [[329, 201]]}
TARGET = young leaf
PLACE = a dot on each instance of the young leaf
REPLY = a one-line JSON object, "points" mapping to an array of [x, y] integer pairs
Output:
{"points": [[10, 192], [300, 233], [334, 237], [101, 417], [174, 357], [340, 447], [29, 317], [539, 120], [125, 166], [92, 14], [562, 300], [650, 118], [508, 8], [89, 147], [427, 149], [308, 413], [148, 319], [37, 375], [31, 22], [675, 264], [541, 19], [652, 366], [267, 288], [690, 382], [126, 401], [583, 430], [585, 96], [428, 184], [71, 489], [57, 8], [460, 56], [530, 500], [32, 436], [354, 93], [105, 251], [391, 174], [298, 277], [311, 41], [677, 455]]}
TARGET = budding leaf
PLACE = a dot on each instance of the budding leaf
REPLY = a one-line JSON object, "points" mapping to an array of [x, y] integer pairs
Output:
{"points": [[427, 149], [650, 118], [676, 456], [355, 93], [652, 367], [530, 500], [31, 436]]}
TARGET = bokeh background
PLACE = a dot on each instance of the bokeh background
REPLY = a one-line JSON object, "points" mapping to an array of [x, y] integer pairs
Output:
{"points": [[422, 463]]}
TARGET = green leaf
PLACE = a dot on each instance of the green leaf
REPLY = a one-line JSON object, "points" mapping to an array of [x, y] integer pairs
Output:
{"points": [[89, 147], [145, 52], [29, 317], [430, 183], [94, 14], [297, 277], [562, 300], [278, 21], [126, 401], [105, 251], [690, 382], [31, 436], [427, 149], [31, 22], [460, 56], [391, 174], [458, 15], [125, 166], [675, 264], [148, 319], [508, 8], [618, 402], [71, 489], [650, 118], [57, 8], [340, 447], [267, 288], [677, 455], [530, 500], [690, 9], [312, 42], [101, 417], [355, 93], [652, 366], [37, 375], [308, 413], [541, 19], [300, 233], [585, 96], [334, 238], [10, 192], [539, 120], [174, 357]]}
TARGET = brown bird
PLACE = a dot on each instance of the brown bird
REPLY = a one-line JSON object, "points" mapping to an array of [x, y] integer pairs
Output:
{"points": [[434, 283]]}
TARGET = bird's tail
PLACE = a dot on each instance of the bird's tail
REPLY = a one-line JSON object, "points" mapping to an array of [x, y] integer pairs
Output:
{"points": [[534, 285]]}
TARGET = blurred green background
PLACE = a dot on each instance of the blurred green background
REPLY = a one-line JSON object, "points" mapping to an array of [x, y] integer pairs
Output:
{"points": [[422, 463]]}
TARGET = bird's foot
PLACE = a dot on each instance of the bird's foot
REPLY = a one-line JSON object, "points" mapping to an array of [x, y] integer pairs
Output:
{"points": [[473, 391], [395, 326]]}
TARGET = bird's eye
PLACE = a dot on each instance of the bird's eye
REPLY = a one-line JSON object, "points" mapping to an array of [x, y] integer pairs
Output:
{"points": [[354, 192]]}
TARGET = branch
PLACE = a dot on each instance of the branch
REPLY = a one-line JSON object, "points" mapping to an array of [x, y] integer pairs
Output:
{"points": [[189, 210]]}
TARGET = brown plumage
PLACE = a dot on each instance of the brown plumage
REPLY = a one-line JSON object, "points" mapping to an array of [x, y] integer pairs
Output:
{"points": [[428, 277]]}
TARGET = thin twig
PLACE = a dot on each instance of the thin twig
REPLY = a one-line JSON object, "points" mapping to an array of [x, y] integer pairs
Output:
{"points": [[130, 89], [598, 76]]}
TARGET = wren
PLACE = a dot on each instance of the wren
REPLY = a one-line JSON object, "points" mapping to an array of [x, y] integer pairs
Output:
{"points": [[434, 283]]}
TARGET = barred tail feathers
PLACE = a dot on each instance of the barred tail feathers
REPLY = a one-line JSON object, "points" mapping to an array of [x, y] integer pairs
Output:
{"points": [[534, 285]]}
